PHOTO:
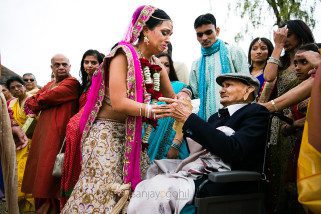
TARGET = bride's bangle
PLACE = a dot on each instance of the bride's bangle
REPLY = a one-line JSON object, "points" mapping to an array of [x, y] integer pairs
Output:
{"points": [[147, 110], [140, 110]]}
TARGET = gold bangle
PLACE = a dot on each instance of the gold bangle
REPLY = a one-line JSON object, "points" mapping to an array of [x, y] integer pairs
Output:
{"points": [[274, 105], [140, 109]]}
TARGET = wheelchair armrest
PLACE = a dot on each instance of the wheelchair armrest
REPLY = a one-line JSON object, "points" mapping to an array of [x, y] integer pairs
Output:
{"points": [[234, 176]]}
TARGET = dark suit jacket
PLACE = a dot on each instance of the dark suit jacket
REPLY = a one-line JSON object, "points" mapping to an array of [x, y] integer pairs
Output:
{"points": [[245, 149]]}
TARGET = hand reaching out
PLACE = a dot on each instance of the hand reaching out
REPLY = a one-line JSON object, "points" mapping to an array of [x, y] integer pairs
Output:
{"points": [[178, 109], [19, 137], [312, 57]]}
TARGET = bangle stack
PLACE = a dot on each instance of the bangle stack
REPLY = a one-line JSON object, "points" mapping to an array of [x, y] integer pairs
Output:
{"points": [[149, 113], [148, 109], [176, 145], [274, 61], [274, 105], [140, 110]]}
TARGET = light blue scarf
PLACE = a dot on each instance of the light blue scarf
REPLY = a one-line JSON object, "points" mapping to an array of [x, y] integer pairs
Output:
{"points": [[205, 87], [162, 137]]}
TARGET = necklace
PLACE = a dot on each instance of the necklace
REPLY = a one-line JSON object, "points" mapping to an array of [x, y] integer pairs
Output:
{"points": [[141, 55], [139, 52]]}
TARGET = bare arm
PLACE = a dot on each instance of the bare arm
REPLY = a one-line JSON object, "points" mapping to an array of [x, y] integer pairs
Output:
{"points": [[271, 69], [294, 96], [118, 88], [300, 92]]}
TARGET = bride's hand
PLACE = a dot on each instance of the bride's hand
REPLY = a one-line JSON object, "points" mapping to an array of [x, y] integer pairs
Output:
{"points": [[179, 109]]}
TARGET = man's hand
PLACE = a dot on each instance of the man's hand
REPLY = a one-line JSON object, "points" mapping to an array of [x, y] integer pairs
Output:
{"points": [[19, 137], [179, 109]]}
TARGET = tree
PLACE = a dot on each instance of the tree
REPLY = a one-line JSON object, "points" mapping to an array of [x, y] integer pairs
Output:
{"points": [[282, 9]]}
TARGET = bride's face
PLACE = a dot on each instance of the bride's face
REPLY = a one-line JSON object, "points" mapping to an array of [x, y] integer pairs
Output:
{"points": [[159, 37]]}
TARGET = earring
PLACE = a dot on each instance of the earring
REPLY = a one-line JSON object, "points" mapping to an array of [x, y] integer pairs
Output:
{"points": [[146, 40]]}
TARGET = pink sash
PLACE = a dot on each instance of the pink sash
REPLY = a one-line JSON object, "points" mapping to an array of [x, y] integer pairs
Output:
{"points": [[96, 94]]}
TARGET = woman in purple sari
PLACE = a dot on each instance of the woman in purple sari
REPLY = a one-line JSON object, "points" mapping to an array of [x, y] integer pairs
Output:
{"points": [[114, 156]]}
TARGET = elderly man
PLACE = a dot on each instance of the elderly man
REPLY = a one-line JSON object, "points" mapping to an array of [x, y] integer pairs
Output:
{"points": [[217, 58], [57, 102], [31, 83], [236, 134]]}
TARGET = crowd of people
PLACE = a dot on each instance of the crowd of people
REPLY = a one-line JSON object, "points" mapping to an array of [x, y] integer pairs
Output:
{"points": [[138, 121]]}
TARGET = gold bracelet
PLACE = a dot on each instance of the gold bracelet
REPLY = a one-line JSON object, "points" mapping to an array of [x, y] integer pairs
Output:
{"points": [[140, 110], [274, 106]]}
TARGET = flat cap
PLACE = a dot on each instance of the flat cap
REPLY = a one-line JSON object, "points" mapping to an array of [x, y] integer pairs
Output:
{"points": [[247, 79]]}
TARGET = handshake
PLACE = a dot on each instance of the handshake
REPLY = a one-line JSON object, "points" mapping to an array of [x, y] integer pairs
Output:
{"points": [[179, 109]]}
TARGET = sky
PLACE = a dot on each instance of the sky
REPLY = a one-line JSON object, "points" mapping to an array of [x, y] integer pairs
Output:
{"points": [[32, 31]]}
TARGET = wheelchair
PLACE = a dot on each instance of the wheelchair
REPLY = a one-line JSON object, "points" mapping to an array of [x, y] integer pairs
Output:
{"points": [[240, 192]]}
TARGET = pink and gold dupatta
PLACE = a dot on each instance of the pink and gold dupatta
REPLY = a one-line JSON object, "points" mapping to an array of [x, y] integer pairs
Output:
{"points": [[135, 91]]}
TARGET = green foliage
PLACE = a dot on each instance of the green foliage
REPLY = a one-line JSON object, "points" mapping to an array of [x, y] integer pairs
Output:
{"points": [[282, 9]]}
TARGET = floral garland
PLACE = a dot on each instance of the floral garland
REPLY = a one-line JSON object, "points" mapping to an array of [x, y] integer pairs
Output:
{"points": [[151, 73]]}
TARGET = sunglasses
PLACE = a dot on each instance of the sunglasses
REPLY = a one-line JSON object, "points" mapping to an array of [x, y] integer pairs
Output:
{"points": [[207, 33], [28, 80]]}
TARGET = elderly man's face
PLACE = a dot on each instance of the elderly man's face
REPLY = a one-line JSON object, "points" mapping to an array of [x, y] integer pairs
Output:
{"points": [[30, 82], [233, 92], [60, 67]]}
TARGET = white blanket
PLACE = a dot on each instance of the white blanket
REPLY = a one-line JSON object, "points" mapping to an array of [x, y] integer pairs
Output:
{"points": [[169, 184]]}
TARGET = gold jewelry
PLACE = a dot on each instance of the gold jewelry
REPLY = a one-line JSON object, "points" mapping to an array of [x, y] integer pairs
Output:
{"points": [[274, 105], [259, 41], [274, 61], [139, 52], [158, 18], [146, 40], [140, 110]]}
